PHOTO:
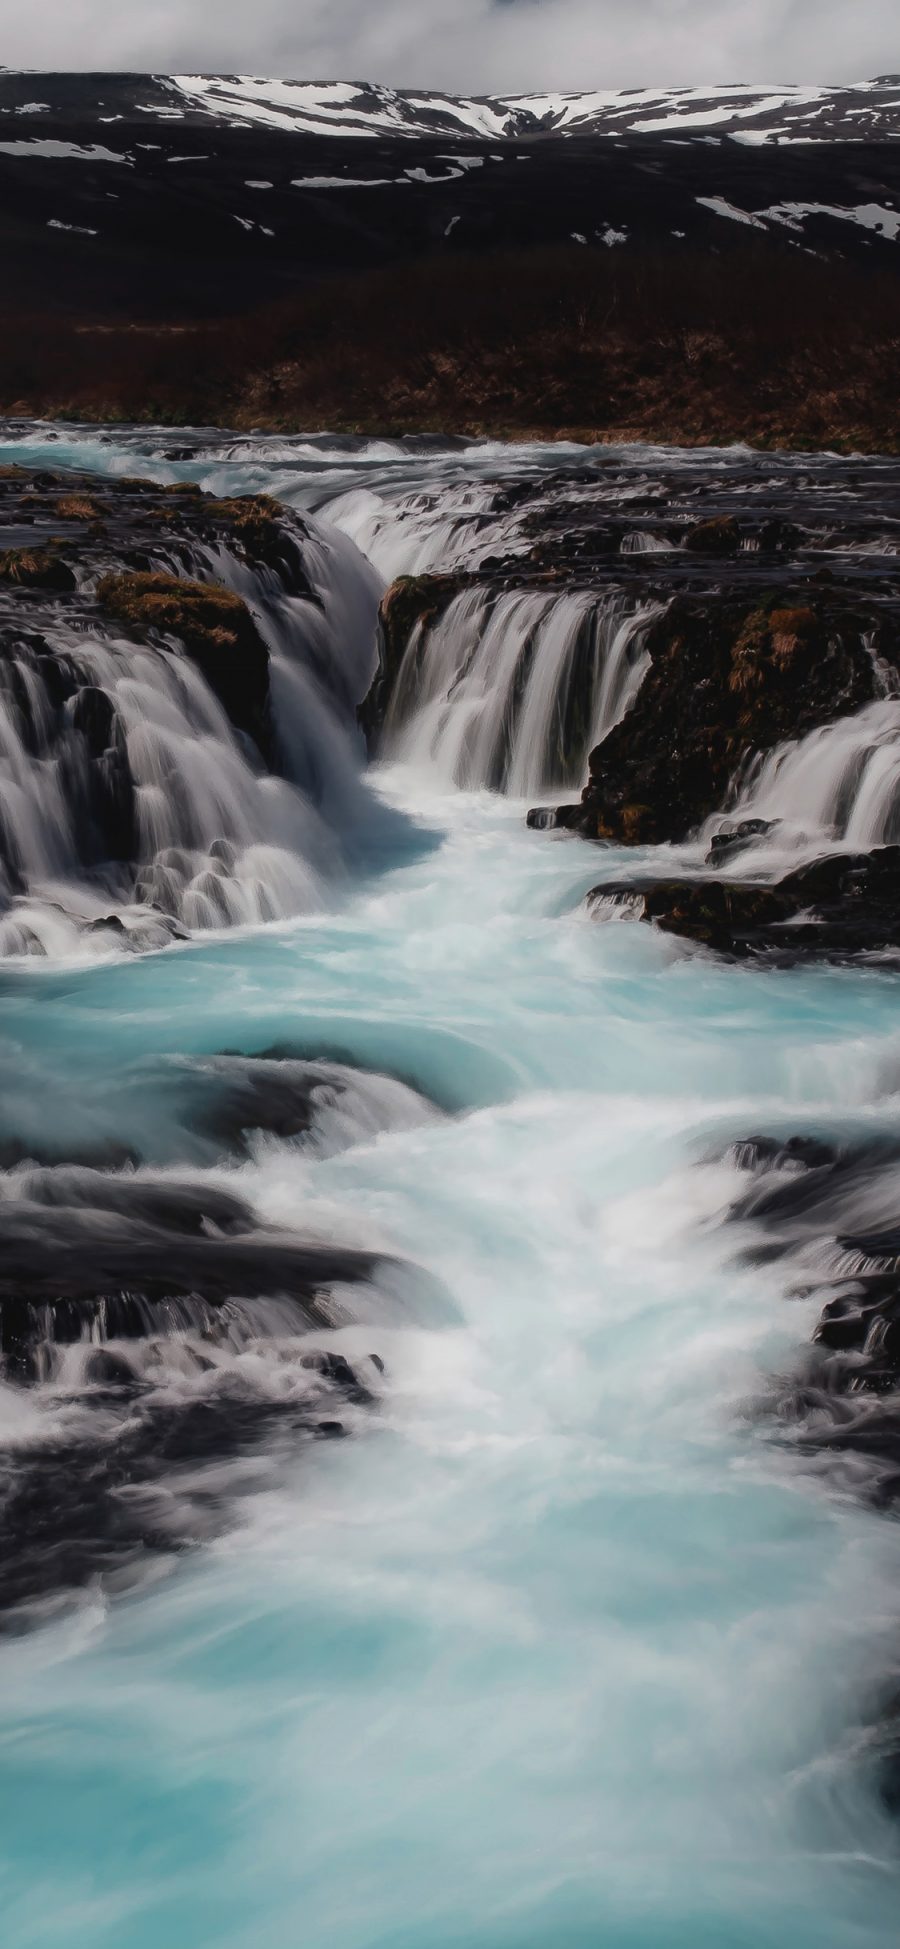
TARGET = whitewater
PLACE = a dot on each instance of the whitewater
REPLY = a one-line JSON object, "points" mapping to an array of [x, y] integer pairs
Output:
{"points": [[560, 1646]]}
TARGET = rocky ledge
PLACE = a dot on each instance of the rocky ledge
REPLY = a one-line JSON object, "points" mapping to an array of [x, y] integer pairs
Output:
{"points": [[842, 905], [83, 550], [123, 620], [728, 680]]}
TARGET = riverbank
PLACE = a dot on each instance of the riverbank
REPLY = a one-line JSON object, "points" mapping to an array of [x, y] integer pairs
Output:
{"points": [[763, 346]]}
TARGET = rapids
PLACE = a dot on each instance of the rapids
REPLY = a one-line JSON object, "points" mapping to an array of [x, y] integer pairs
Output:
{"points": [[560, 1646]]}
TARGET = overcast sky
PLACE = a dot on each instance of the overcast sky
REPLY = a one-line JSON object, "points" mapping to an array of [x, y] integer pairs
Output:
{"points": [[473, 46]]}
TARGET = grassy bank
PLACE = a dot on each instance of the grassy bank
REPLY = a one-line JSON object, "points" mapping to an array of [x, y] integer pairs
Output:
{"points": [[774, 346]]}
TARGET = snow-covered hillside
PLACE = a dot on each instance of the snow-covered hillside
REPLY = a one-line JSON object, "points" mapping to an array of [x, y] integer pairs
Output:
{"points": [[867, 111]]}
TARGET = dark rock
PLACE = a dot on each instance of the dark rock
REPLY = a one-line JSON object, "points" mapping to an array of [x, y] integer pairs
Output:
{"points": [[547, 818], [842, 905], [726, 682], [78, 1246], [806, 1197], [775, 1152], [778, 536], [334, 1368], [265, 535], [94, 715], [110, 924], [106, 1369], [732, 840], [718, 536], [113, 806]]}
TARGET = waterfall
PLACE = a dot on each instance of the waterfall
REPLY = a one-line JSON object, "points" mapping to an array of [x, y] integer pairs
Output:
{"points": [[641, 541], [132, 808], [513, 691], [412, 534], [839, 784]]}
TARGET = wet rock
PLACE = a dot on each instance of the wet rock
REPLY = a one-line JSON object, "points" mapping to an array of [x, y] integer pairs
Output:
{"points": [[78, 1247], [104, 1368], [265, 536], [94, 715], [548, 818], [733, 840], [779, 536], [718, 536], [824, 1210], [748, 1153], [113, 806], [725, 683], [334, 1368], [839, 906], [109, 924]]}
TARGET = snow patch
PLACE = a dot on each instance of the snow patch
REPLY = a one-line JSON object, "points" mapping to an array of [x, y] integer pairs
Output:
{"points": [[77, 229], [722, 208], [72, 151], [341, 182], [870, 216]]}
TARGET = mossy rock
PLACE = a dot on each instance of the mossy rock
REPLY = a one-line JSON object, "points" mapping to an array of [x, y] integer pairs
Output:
{"points": [[217, 631], [258, 524], [718, 536], [77, 507], [727, 681], [36, 568]]}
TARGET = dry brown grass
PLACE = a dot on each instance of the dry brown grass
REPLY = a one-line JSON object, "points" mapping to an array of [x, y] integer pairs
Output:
{"points": [[779, 348]]}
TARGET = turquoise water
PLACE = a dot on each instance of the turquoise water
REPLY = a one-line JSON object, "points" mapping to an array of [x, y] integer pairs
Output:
{"points": [[558, 1649]]}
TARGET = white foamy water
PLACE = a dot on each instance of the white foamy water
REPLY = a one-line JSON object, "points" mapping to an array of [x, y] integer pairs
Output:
{"points": [[488, 694], [838, 786]]}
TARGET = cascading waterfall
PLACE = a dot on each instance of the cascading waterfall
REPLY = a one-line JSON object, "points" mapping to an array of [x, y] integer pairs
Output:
{"points": [[839, 785], [126, 786], [513, 691], [415, 533], [214, 841]]}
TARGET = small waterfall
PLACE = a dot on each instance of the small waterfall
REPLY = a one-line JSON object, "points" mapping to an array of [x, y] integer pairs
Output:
{"points": [[641, 541], [412, 534], [124, 784], [840, 784], [321, 663], [513, 691], [139, 787]]}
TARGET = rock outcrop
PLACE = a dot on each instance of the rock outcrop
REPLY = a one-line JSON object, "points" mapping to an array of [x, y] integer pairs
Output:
{"points": [[727, 680], [841, 905]]}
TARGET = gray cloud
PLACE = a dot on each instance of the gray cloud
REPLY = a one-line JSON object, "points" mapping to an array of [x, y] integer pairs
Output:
{"points": [[472, 46]]}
